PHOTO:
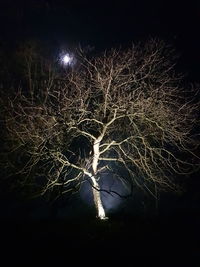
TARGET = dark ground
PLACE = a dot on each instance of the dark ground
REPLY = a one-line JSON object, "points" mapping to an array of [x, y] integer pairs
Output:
{"points": [[169, 238], [170, 241]]}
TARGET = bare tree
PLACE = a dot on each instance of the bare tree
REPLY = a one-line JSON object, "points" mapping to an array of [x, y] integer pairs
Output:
{"points": [[123, 112]]}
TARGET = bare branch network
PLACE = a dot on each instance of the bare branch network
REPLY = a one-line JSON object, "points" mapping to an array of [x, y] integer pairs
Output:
{"points": [[123, 112]]}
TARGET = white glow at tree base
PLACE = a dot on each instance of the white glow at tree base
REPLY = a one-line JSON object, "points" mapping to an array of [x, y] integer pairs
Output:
{"points": [[101, 214]]}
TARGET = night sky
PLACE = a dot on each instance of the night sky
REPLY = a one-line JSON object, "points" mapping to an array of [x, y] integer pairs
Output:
{"points": [[104, 24], [101, 25]]}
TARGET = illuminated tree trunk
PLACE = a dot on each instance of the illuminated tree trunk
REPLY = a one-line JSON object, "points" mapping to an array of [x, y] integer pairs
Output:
{"points": [[95, 190]]}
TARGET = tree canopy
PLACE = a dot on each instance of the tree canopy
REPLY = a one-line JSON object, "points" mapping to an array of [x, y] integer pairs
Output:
{"points": [[123, 112]]}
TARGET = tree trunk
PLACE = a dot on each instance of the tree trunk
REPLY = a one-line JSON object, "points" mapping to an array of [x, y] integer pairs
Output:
{"points": [[95, 190], [97, 200]]}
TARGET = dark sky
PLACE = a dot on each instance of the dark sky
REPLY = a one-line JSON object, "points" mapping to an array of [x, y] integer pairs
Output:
{"points": [[106, 23]]}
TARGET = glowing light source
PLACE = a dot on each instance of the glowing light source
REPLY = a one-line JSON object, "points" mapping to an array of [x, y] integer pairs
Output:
{"points": [[66, 59]]}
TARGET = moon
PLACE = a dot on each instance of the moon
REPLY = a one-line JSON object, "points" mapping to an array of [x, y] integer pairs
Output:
{"points": [[66, 59]]}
